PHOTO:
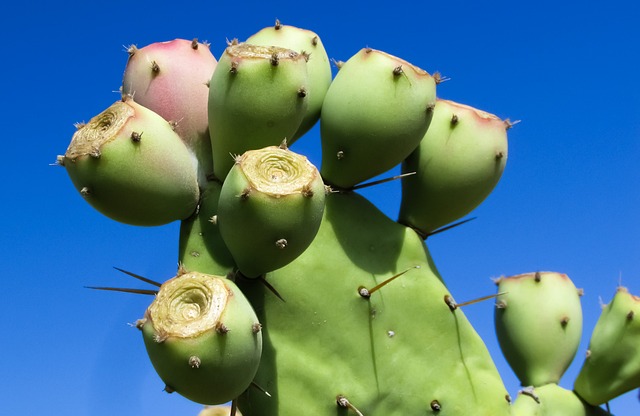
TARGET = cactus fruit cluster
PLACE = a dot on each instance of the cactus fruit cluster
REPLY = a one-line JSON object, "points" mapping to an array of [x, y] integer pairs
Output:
{"points": [[293, 294]]}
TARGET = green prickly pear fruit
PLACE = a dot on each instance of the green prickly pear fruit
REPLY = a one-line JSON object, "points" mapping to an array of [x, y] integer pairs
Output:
{"points": [[171, 78], [375, 113], [612, 365], [270, 208], [200, 246], [308, 44], [130, 165], [257, 98], [531, 304], [328, 346], [552, 400], [202, 337], [458, 163]]}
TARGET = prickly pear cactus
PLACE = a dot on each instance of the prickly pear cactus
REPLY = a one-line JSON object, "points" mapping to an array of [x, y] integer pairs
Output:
{"points": [[295, 294]]}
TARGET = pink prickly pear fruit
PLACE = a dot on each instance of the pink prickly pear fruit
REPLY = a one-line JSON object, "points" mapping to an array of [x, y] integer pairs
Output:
{"points": [[203, 338], [257, 98], [612, 364], [457, 165], [129, 164], [172, 78], [309, 44], [270, 209], [375, 113], [531, 304]]}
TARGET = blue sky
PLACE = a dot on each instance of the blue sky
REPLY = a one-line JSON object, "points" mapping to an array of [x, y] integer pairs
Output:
{"points": [[568, 200]]}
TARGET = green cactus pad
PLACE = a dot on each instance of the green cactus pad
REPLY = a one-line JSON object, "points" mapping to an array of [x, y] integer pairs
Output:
{"points": [[458, 163], [203, 338], [553, 400], [532, 304], [130, 165], [270, 208], [401, 351], [612, 365], [307, 43], [201, 247], [375, 113], [257, 98]]}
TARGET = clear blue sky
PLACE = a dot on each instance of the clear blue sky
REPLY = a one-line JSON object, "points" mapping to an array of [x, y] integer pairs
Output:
{"points": [[568, 201]]}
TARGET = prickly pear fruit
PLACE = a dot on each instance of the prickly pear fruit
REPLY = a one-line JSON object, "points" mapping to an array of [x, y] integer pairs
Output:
{"points": [[552, 400], [200, 246], [373, 353], [218, 411], [458, 163], [171, 78], [308, 44], [130, 165], [257, 98], [203, 338], [270, 208], [531, 304], [612, 365], [375, 113]]}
